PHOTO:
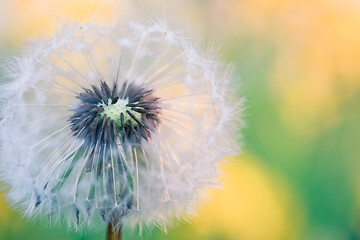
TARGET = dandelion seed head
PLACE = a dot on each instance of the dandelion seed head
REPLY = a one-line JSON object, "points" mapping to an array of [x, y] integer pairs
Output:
{"points": [[121, 122]]}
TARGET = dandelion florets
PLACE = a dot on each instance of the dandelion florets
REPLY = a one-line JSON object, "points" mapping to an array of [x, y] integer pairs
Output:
{"points": [[122, 122]]}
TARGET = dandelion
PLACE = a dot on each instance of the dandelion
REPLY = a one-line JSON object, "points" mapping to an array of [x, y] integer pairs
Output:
{"points": [[120, 124]]}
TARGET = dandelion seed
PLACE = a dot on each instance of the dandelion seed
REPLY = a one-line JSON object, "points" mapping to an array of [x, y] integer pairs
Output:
{"points": [[118, 124]]}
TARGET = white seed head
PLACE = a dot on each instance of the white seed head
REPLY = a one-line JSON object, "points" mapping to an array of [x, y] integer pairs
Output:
{"points": [[125, 121]]}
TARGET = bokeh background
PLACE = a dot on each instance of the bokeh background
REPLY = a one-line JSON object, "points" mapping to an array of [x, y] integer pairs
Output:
{"points": [[299, 65]]}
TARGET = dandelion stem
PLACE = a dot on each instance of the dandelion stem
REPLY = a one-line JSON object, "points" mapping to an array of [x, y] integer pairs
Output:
{"points": [[113, 231]]}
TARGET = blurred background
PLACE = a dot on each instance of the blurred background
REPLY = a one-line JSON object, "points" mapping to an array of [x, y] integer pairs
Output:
{"points": [[299, 65]]}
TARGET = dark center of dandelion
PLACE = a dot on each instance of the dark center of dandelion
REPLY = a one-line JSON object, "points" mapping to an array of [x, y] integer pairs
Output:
{"points": [[103, 116]]}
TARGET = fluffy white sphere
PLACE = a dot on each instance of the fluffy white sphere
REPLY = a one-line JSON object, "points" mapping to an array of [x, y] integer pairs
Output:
{"points": [[122, 122]]}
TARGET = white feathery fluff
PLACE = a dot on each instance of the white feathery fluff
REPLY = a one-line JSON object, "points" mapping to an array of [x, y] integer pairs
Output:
{"points": [[43, 160]]}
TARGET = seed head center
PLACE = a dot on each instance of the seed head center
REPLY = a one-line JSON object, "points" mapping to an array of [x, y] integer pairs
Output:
{"points": [[129, 113], [113, 111]]}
